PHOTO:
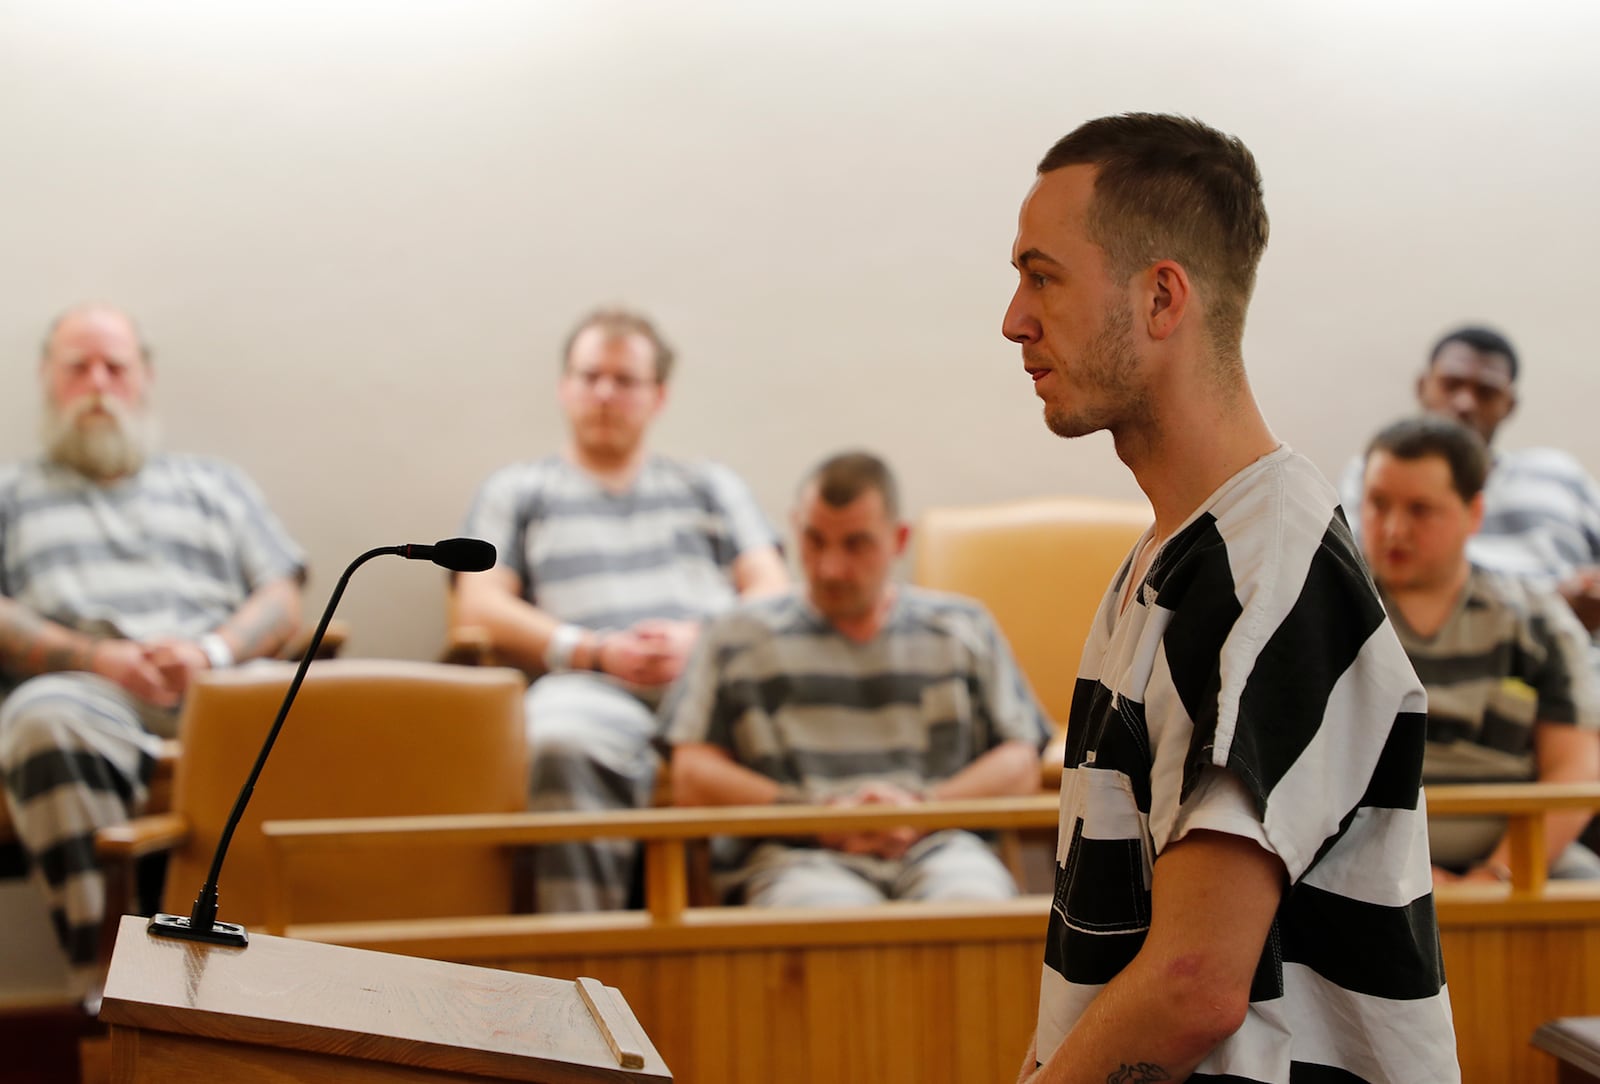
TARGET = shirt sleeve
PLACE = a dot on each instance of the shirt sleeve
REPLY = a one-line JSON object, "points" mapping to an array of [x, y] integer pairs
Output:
{"points": [[695, 709], [266, 551], [1352, 487], [1559, 670], [493, 518], [1014, 712], [747, 526]]}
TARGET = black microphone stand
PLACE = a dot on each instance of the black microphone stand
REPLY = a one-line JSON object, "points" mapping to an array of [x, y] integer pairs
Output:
{"points": [[201, 923]]}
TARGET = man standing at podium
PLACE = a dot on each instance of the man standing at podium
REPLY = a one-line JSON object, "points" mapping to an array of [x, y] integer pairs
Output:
{"points": [[1242, 880], [123, 574]]}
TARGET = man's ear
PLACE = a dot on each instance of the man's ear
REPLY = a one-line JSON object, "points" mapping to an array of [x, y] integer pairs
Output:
{"points": [[1169, 291], [902, 537], [1475, 512]]}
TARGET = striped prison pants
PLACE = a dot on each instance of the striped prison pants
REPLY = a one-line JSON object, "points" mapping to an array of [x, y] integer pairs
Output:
{"points": [[76, 753]]}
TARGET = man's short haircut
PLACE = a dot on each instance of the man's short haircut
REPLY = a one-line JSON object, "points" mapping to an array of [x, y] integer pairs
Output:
{"points": [[619, 323], [1430, 434], [1170, 187], [92, 306], [1482, 339], [842, 478]]}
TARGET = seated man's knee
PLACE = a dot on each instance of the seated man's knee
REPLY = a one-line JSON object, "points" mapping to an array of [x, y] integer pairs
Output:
{"points": [[959, 866], [810, 879], [42, 713]]}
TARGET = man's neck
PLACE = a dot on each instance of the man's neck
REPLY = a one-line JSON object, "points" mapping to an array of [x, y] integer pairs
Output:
{"points": [[1427, 607], [615, 472], [865, 627], [1190, 447]]}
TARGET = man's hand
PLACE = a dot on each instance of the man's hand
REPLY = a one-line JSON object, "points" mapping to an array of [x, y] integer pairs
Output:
{"points": [[180, 661], [649, 653], [126, 664], [1582, 592], [891, 843]]}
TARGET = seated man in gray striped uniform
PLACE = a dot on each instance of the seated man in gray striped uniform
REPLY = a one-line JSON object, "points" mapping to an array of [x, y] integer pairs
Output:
{"points": [[856, 690], [124, 574], [1511, 697], [609, 557]]}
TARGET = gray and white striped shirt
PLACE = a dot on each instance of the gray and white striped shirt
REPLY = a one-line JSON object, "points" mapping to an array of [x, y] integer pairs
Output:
{"points": [[172, 551], [665, 548]]}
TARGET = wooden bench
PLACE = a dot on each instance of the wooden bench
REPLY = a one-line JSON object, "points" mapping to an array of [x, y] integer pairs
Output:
{"points": [[927, 992]]}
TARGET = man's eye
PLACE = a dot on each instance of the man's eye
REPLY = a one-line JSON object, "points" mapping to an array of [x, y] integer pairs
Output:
{"points": [[1038, 281]]}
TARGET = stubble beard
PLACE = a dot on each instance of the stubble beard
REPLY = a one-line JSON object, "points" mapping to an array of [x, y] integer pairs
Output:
{"points": [[1106, 370], [114, 447]]}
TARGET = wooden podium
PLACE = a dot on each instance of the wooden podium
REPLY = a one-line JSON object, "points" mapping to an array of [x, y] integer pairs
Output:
{"points": [[283, 1010]]}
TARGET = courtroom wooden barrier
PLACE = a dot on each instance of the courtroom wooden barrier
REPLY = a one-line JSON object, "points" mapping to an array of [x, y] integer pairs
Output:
{"points": [[900, 992], [929, 992]]}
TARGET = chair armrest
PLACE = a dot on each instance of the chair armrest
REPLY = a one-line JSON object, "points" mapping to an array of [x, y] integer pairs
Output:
{"points": [[141, 836], [1051, 761], [469, 645], [332, 641]]}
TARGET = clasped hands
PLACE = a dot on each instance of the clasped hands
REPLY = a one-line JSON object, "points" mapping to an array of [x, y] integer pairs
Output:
{"points": [[156, 671], [890, 843], [649, 653]]}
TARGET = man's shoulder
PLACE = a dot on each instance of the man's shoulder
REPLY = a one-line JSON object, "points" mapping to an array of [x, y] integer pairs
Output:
{"points": [[1540, 462], [194, 465], [526, 473], [1279, 506], [943, 611], [702, 475], [1517, 596], [753, 619]]}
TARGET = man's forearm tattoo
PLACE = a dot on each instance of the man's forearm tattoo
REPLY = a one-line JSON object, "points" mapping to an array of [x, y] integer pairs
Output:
{"points": [[31, 645], [1143, 1073], [261, 627]]}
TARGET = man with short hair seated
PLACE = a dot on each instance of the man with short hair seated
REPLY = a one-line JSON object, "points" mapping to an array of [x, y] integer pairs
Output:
{"points": [[124, 574], [1510, 695], [609, 556], [856, 691]]}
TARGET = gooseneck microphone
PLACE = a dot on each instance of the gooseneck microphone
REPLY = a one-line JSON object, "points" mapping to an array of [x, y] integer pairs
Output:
{"points": [[456, 554]]}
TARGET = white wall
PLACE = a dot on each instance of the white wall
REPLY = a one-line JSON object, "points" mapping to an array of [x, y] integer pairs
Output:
{"points": [[357, 232]]}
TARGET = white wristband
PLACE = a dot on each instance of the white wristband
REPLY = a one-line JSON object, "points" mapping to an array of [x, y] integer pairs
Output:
{"points": [[218, 653], [558, 652]]}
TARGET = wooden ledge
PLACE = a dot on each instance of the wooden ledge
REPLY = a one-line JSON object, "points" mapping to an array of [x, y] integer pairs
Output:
{"points": [[515, 829], [1021, 919]]}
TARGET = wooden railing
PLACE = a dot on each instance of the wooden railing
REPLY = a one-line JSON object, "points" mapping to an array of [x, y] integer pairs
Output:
{"points": [[731, 993], [665, 834]]}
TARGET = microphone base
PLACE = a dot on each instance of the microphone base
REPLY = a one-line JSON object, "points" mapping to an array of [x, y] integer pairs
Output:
{"points": [[181, 928]]}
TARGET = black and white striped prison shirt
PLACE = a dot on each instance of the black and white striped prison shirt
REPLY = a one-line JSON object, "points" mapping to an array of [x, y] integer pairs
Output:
{"points": [[665, 548], [1257, 646], [172, 551], [787, 695]]}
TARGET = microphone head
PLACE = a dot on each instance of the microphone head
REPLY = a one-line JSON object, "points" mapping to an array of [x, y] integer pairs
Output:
{"points": [[463, 554]]}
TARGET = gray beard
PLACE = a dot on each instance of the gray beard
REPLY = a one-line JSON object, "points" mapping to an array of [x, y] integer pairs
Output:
{"points": [[104, 452]]}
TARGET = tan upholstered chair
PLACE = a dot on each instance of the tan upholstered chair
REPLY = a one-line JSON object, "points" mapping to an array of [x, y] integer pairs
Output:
{"points": [[366, 737], [1041, 567]]}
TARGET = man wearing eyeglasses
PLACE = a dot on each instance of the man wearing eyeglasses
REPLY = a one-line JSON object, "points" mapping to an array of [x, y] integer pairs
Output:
{"points": [[609, 558]]}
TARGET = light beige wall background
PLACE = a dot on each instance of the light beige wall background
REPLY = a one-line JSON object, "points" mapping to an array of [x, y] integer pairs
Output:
{"points": [[356, 232]]}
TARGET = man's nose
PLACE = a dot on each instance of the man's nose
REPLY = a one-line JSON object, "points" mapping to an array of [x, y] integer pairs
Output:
{"points": [[830, 564], [1019, 325]]}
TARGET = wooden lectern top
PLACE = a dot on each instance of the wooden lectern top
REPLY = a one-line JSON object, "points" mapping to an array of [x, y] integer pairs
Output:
{"points": [[374, 1006]]}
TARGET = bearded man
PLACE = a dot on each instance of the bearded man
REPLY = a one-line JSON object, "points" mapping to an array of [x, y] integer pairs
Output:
{"points": [[123, 575]]}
